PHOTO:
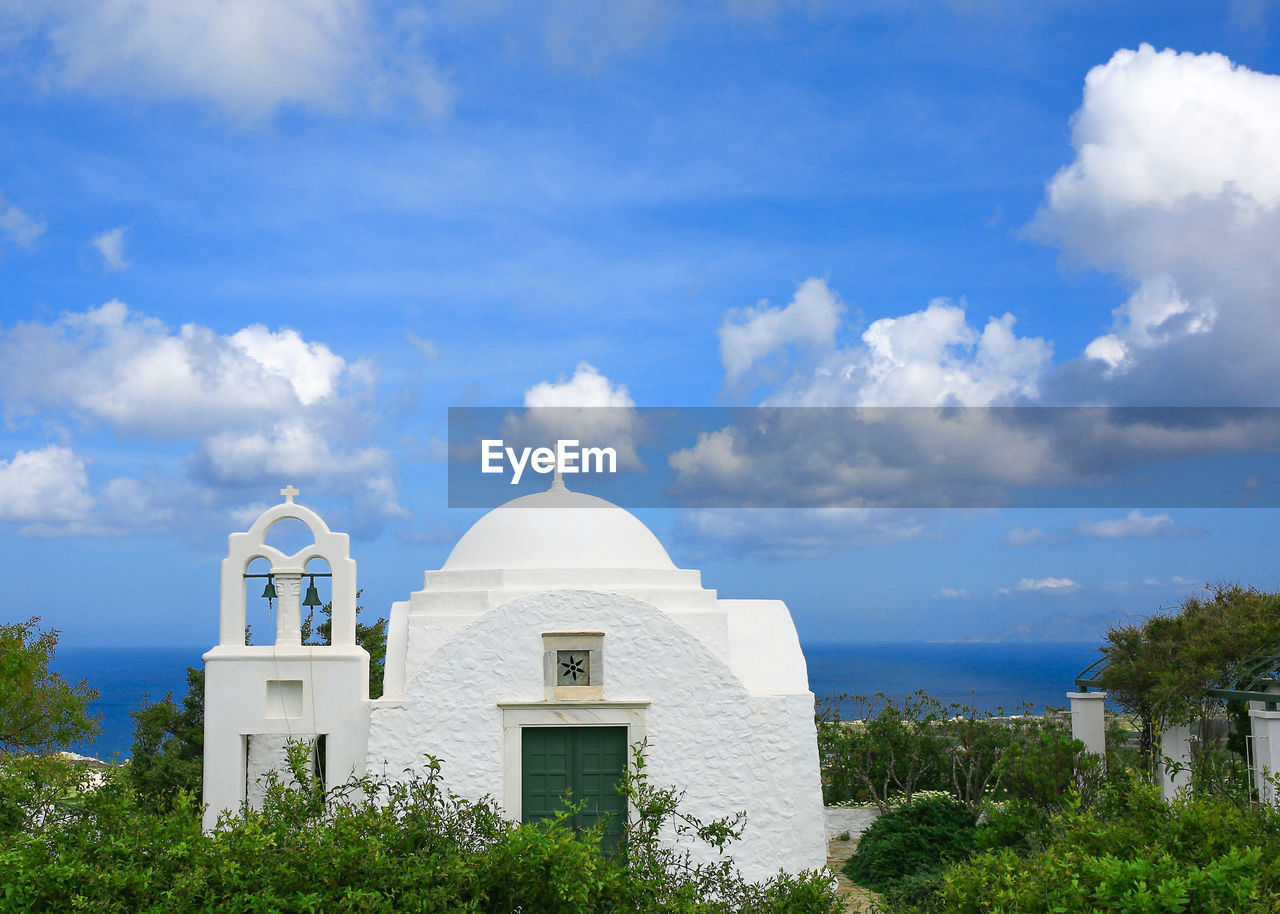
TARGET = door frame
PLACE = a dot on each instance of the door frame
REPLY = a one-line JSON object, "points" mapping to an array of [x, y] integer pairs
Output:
{"points": [[518, 715]]}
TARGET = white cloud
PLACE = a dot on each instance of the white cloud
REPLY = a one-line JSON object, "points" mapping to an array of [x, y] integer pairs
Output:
{"points": [[926, 358], [110, 245], [587, 407], [1159, 127], [250, 57], [17, 226], [48, 485], [293, 449], [1040, 585], [950, 593], [1134, 525], [932, 357], [587, 387], [257, 407], [113, 365], [1176, 186], [310, 368], [1023, 536], [289, 449], [747, 336]]}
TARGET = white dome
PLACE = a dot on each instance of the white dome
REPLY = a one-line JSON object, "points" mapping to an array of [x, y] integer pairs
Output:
{"points": [[558, 529]]}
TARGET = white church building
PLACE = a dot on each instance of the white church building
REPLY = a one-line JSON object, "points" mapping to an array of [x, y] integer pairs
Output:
{"points": [[557, 635]]}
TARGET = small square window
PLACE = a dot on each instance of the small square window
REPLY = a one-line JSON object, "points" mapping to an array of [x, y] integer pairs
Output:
{"points": [[573, 668]]}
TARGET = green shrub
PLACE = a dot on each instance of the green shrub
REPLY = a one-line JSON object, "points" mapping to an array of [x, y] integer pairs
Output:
{"points": [[895, 747], [1044, 765], [1129, 852], [1017, 824], [916, 892], [371, 845], [911, 839]]}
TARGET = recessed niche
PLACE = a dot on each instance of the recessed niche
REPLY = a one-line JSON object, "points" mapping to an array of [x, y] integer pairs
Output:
{"points": [[284, 698]]}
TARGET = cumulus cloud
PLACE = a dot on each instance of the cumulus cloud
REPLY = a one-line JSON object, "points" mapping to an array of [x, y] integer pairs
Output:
{"points": [[48, 493], [311, 369], [586, 388], [932, 357], [1134, 525], [1175, 185], [17, 226], [749, 335], [110, 245], [47, 485], [113, 365], [951, 593], [1158, 127], [586, 406], [249, 57], [255, 407]]}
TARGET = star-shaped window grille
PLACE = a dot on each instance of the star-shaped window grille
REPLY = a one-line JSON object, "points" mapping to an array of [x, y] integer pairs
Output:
{"points": [[573, 666]]}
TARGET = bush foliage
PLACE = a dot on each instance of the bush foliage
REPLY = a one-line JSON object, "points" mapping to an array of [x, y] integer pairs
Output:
{"points": [[900, 747], [373, 845], [917, 836], [1130, 853]]}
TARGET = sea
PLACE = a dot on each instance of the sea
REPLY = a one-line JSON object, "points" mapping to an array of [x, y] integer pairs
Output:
{"points": [[986, 676]]}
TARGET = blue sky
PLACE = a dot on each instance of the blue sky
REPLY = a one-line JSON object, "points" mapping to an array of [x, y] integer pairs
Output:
{"points": [[245, 244]]}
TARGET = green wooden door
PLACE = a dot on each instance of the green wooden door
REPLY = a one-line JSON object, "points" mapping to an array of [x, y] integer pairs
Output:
{"points": [[585, 763]]}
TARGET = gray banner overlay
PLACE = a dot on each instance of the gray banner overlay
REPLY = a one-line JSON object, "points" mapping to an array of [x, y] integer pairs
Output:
{"points": [[871, 457]]}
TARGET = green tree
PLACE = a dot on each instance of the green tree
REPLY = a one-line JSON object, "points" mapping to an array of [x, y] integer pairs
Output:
{"points": [[168, 747], [39, 711], [1160, 671]]}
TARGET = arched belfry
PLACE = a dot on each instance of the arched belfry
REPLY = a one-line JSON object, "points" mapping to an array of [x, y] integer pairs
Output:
{"points": [[258, 697], [287, 572]]}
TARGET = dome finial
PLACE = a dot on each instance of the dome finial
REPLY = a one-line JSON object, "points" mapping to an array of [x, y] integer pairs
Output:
{"points": [[557, 482]]}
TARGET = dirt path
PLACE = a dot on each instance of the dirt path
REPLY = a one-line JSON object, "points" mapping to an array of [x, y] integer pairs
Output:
{"points": [[856, 899]]}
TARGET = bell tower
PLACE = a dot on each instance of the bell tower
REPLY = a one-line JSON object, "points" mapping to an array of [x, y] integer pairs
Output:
{"points": [[259, 697]]}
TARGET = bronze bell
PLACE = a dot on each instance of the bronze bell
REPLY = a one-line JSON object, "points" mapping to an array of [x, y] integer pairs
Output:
{"points": [[270, 590], [313, 596]]}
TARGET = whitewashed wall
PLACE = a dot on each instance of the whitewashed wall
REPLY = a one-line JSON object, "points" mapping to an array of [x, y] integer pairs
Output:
{"points": [[729, 750]]}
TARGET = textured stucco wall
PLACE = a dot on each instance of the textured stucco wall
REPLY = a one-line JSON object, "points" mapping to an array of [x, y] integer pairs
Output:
{"points": [[728, 750]]}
